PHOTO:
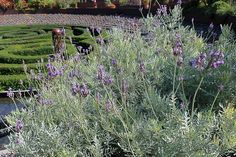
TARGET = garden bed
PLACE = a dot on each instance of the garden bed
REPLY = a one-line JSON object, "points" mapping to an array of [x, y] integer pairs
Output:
{"points": [[29, 44]]}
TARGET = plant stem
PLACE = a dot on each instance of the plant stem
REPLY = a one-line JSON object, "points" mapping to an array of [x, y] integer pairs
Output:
{"points": [[195, 94], [174, 78], [213, 103]]}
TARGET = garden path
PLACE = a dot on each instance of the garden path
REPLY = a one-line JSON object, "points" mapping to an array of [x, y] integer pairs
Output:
{"points": [[66, 19]]}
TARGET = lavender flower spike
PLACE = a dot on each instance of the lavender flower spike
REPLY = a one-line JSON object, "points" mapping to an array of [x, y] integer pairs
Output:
{"points": [[217, 59], [101, 72], [10, 93], [19, 125]]}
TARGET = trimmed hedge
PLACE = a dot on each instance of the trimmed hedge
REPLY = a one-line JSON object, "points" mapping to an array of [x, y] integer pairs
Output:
{"points": [[30, 44]]}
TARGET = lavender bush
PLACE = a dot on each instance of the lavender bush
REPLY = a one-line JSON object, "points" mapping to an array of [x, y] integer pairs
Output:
{"points": [[157, 89]]}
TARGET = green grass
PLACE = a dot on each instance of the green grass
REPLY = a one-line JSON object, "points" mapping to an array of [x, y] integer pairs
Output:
{"points": [[29, 44]]}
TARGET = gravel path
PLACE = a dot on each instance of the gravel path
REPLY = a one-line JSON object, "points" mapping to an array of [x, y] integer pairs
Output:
{"points": [[66, 19]]}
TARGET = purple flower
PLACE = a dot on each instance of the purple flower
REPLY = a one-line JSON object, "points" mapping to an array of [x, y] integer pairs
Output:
{"points": [[177, 36], [10, 93], [162, 10], [113, 62], [75, 88], [19, 125], [54, 71], [107, 80], [217, 59], [101, 72], [108, 105], [84, 90], [200, 62], [178, 49]]}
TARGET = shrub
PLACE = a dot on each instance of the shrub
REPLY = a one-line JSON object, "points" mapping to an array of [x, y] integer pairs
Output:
{"points": [[222, 8], [6, 4], [137, 95], [40, 3]]}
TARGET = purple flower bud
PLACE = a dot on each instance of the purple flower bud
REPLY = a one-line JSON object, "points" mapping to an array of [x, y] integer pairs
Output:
{"points": [[162, 10], [200, 62], [75, 88], [108, 105], [217, 59], [113, 62], [84, 90], [19, 125], [107, 80], [101, 72], [178, 49], [10, 93]]}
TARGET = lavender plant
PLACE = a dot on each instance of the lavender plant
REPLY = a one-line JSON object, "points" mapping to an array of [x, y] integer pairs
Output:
{"points": [[136, 96]]}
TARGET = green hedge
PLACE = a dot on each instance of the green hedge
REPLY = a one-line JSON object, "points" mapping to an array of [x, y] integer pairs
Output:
{"points": [[11, 69], [12, 81], [30, 44]]}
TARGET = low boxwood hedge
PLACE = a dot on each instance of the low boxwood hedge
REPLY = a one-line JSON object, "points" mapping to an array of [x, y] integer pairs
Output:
{"points": [[30, 44]]}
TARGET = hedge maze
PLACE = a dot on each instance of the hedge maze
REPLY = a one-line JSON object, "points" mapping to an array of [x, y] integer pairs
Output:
{"points": [[30, 44]]}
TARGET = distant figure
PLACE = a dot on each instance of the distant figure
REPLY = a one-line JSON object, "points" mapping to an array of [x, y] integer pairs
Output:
{"points": [[58, 35]]}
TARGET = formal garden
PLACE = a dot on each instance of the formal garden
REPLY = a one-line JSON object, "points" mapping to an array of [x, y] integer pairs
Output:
{"points": [[30, 45], [147, 87]]}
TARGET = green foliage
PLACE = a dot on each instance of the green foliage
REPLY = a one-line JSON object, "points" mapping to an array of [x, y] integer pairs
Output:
{"points": [[148, 109], [221, 8], [40, 3]]}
